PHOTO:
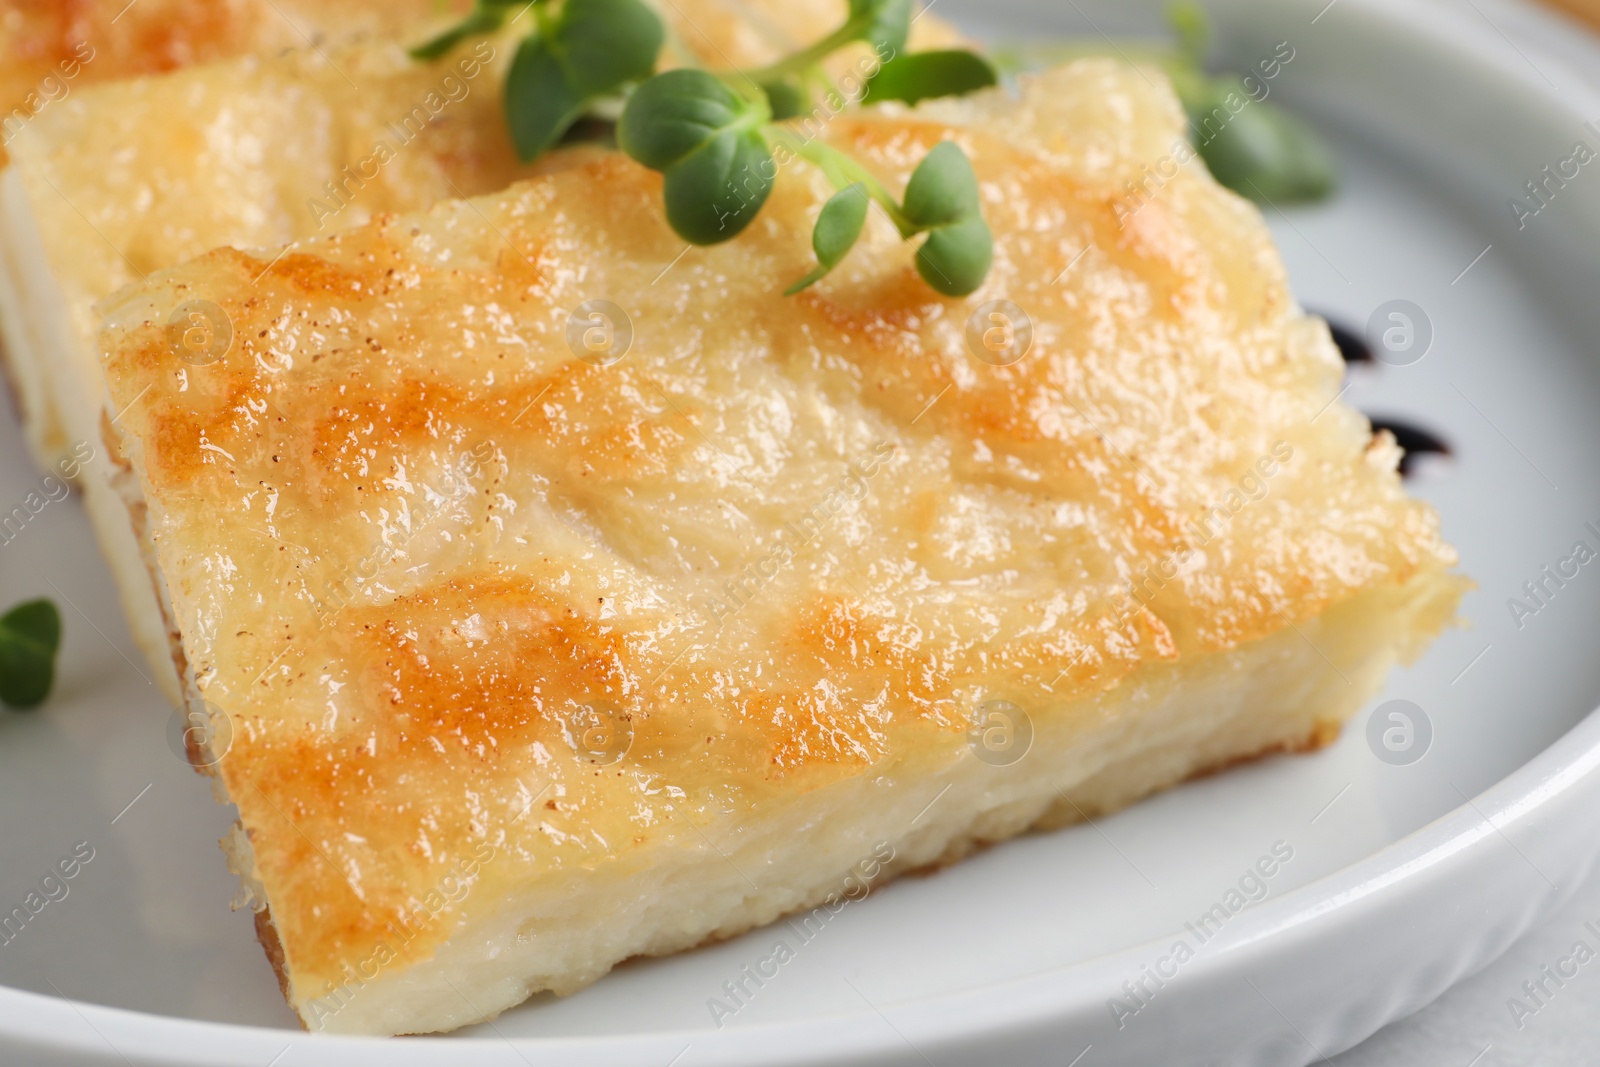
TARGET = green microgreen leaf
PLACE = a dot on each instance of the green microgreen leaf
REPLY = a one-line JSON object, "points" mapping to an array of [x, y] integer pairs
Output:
{"points": [[30, 636], [1260, 151], [922, 75], [680, 112], [605, 44], [955, 259], [707, 142], [592, 49], [943, 189], [838, 229], [942, 197], [713, 194], [1251, 146], [884, 24], [541, 102]]}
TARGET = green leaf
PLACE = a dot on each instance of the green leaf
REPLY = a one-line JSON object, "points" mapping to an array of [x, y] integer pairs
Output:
{"points": [[540, 102], [943, 189], [680, 112], [884, 24], [593, 49], [838, 229], [605, 44], [1259, 150], [706, 141], [955, 259], [712, 194], [922, 75], [30, 635]]}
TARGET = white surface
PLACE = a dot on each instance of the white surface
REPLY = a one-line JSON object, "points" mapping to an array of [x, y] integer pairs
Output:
{"points": [[1010, 957], [1475, 1024], [1485, 1021]]}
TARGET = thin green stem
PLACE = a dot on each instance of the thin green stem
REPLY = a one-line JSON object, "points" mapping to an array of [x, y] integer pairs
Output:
{"points": [[843, 171], [817, 78], [479, 22], [849, 33]]}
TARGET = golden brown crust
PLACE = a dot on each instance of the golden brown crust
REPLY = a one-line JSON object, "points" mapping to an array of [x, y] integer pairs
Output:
{"points": [[1587, 10], [267, 934], [1321, 736], [408, 532]]}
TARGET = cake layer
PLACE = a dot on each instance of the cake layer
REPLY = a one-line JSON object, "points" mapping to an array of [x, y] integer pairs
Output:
{"points": [[554, 610]]}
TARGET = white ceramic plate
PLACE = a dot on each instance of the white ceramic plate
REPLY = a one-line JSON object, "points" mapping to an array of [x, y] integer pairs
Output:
{"points": [[1403, 879]]}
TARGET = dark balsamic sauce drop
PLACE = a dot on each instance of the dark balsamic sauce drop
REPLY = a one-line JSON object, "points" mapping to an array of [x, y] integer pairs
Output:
{"points": [[1351, 345], [1415, 440]]}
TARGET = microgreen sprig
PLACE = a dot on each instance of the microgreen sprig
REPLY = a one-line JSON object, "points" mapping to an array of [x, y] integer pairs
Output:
{"points": [[713, 139], [712, 136], [920, 75], [30, 635]]}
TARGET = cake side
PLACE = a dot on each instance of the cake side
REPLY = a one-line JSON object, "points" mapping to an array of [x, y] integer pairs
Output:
{"points": [[545, 615], [714, 875]]}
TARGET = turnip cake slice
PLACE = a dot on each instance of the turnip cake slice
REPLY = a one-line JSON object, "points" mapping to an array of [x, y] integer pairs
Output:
{"points": [[560, 595]]}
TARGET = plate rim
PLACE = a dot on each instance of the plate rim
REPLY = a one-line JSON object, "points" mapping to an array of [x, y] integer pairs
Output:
{"points": [[1034, 1010]]}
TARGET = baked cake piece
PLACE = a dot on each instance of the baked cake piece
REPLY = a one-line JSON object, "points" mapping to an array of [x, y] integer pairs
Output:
{"points": [[534, 641], [113, 181]]}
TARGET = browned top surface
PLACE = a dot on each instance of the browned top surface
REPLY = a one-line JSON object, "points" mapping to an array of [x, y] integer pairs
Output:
{"points": [[408, 534], [106, 40]]}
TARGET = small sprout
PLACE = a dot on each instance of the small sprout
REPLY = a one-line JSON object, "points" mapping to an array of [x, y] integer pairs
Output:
{"points": [[30, 636], [838, 229], [924, 75], [711, 135]]}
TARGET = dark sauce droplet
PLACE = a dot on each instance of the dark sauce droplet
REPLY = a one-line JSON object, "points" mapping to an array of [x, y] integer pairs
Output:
{"points": [[1414, 440], [1351, 344]]}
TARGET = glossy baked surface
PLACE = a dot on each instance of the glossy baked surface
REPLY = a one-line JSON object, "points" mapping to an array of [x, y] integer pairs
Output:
{"points": [[50, 48], [431, 565]]}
